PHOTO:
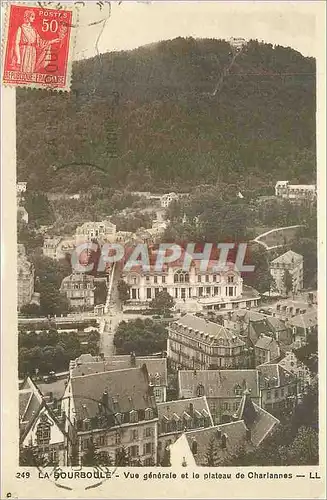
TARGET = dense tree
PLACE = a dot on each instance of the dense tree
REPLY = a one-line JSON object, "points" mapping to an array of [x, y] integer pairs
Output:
{"points": [[162, 302], [51, 350], [166, 458], [123, 291], [294, 442], [141, 337], [31, 310], [38, 208], [122, 458], [260, 278], [169, 115]]}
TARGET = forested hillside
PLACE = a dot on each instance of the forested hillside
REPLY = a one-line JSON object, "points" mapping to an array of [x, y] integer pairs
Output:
{"points": [[154, 110]]}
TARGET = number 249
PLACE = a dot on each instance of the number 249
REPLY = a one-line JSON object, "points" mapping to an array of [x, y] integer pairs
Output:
{"points": [[23, 475]]}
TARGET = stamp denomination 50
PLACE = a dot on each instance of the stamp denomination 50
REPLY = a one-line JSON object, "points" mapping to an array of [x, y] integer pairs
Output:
{"points": [[38, 47]]}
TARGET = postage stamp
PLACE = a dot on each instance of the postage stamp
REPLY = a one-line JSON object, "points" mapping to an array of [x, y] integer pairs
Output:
{"points": [[163, 315], [38, 47]]}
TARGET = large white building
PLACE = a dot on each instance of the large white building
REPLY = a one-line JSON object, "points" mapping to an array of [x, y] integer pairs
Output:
{"points": [[295, 192], [291, 262], [103, 231], [192, 290]]}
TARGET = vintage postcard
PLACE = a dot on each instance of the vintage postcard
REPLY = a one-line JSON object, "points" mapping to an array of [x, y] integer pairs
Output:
{"points": [[163, 249]]}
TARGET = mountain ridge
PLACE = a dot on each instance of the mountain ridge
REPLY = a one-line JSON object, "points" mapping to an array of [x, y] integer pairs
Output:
{"points": [[153, 109]]}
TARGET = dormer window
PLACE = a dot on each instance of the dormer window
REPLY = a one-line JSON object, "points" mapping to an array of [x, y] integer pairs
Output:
{"points": [[230, 279], [148, 414], [200, 390], [118, 418], [238, 390], [133, 416]]}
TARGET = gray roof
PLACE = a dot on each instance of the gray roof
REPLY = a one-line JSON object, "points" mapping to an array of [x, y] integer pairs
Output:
{"points": [[287, 258], [265, 342], [272, 375], [157, 367], [309, 319], [218, 383], [235, 433], [178, 407], [218, 335], [127, 390]]}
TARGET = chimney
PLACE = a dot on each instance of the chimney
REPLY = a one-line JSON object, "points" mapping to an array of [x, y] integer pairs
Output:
{"points": [[248, 434], [218, 433], [191, 409], [105, 399], [133, 359]]}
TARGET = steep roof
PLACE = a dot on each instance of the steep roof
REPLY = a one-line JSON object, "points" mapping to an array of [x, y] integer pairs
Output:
{"points": [[127, 390], [157, 367], [218, 383], [170, 408], [256, 419], [287, 258], [273, 375], [306, 320], [217, 334], [265, 342], [236, 438]]}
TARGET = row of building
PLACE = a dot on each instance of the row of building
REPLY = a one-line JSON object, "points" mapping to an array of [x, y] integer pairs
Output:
{"points": [[120, 403], [295, 192]]}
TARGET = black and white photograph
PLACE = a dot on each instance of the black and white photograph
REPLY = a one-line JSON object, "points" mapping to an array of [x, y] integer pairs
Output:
{"points": [[167, 191]]}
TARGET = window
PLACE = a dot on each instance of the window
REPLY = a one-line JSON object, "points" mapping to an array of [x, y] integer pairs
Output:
{"points": [[230, 279], [183, 293], [268, 395], [155, 279], [207, 278], [133, 293], [147, 448], [133, 451], [200, 291], [53, 455], [133, 417], [276, 394], [101, 440], [117, 438], [134, 435], [157, 393], [181, 277], [163, 279], [164, 289], [148, 293], [148, 414], [214, 278], [226, 406], [230, 291], [200, 390], [43, 432], [148, 462], [208, 290], [147, 432], [147, 278], [215, 290], [199, 278]]}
